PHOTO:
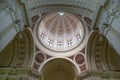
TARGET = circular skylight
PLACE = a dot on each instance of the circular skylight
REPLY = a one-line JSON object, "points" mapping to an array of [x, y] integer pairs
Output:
{"points": [[60, 31], [61, 13]]}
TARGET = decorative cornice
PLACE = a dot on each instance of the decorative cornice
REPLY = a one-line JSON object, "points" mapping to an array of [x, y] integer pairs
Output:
{"points": [[19, 71], [101, 74], [56, 8]]}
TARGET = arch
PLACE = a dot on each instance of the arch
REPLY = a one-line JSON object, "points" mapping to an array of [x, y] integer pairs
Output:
{"points": [[19, 51], [59, 66], [70, 9], [100, 55]]}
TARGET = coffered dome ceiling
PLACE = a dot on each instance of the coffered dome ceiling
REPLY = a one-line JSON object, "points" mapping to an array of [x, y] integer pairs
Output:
{"points": [[60, 32]]}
